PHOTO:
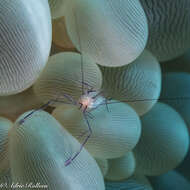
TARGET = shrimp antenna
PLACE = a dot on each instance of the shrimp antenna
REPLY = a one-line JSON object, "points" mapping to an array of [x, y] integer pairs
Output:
{"points": [[144, 100], [80, 46]]}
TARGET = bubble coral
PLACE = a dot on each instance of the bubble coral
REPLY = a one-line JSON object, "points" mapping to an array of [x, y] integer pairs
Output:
{"points": [[114, 132], [171, 180], [176, 84], [38, 150], [111, 33], [5, 126], [121, 168], [14, 105], [135, 182], [164, 142], [103, 164], [137, 84], [63, 75], [25, 38], [169, 27]]}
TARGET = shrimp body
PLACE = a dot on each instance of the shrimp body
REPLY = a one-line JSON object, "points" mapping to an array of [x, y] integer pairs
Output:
{"points": [[90, 100]]}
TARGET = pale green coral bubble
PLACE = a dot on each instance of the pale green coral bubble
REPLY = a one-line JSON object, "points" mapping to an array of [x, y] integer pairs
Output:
{"points": [[164, 142], [114, 132], [39, 149], [180, 90], [25, 43], [121, 168], [137, 84], [5, 127], [6, 180], [111, 33], [176, 85], [63, 76], [103, 164], [136, 182], [14, 105], [171, 180], [168, 35]]}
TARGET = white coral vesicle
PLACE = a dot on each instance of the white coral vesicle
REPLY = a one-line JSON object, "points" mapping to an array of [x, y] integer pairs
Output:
{"points": [[137, 84], [114, 132], [164, 142], [5, 127], [39, 148], [111, 33], [63, 76], [25, 38]]}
